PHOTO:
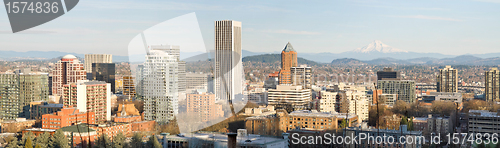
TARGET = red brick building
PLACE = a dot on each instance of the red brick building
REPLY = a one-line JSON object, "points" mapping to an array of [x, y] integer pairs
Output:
{"points": [[67, 117]]}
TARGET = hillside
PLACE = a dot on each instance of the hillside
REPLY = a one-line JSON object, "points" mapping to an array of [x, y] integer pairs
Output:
{"points": [[271, 58]]}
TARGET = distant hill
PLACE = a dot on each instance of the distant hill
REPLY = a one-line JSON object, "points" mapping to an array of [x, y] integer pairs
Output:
{"points": [[347, 61], [271, 58]]}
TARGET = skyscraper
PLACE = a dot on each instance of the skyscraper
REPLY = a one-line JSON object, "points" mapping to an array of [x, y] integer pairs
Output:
{"points": [[160, 86], [447, 80], [288, 60], [67, 70], [33, 87], [228, 67], [492, 85], [174, 50], [104, 72], [9, 96], [95, 58]]}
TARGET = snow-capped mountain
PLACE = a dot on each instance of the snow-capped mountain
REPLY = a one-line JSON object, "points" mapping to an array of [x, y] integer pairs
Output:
{"points": [[379, 47]]}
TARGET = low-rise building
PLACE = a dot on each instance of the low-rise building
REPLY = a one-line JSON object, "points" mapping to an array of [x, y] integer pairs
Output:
{"points": [[213, 139], [38, 110], [67, 117], [39, 131], [289, 97], [259, 111], [79, 135], [16, 126], [415, 136]]}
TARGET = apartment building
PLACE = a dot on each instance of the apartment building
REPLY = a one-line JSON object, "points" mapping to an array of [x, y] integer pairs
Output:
{"points": [[91, 96], [67, 117]]}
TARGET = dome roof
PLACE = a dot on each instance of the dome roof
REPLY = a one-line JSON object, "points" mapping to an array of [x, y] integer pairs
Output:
{"points": [[69, 57]]}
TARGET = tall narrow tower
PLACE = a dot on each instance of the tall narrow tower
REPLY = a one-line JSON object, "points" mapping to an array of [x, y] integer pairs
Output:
{"points": [[288, 60], [228, 69], [447, 80], [492, 85]]}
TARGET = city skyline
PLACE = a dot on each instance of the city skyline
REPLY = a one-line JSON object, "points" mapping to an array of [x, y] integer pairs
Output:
{"points": [[319, 27]]}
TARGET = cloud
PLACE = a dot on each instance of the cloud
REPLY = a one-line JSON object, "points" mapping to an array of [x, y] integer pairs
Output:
{"points": [[283, 31], [428, 17]]}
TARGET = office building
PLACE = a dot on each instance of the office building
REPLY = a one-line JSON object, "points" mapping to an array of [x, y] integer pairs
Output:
{"points": [[492, 85], [447, 80], [67, 117], [95, 58], [89, 96], [289, 97], [258, 96], [43, 108], [104, 72], [288, 60], [388, 74], [443, 96], [301, 76], [33, 88], [67, 70], [129, 86], [160, 86], [196, 81], [228, 72], [203, 105], [174, 50], [405, 89]]}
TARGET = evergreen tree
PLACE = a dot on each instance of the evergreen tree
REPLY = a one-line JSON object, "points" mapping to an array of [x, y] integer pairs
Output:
{"points": [[28, 143], [42, 140], [38, 146], [58, 140], [136, 141], [153, 142], [119, 141], [27, 135], [343, 124]]}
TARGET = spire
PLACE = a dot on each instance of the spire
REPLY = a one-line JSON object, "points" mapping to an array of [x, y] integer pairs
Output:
{"points": [[288, 47]]}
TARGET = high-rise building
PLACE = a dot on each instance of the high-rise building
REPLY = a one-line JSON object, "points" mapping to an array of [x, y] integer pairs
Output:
{"points": [[32, 88], [289, 97], [160, 86], [301, 76], [9, 96], [129, 87], [19, 90], [67, 70], [329, 101], [174, 50], [228, 73], [203, 105], [355, 102], [104, 72], [89, 96], [196, 81], [405, 89], [95, 58], [447, 80], [492, 85], [288, 60], [388, 74]]}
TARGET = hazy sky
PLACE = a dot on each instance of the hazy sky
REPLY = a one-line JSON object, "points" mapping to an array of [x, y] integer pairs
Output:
{"points": [[107, 26]]}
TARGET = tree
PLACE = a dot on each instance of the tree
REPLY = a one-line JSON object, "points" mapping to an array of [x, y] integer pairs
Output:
{"points": [[28, 143], [103, 142], [43, 139], [13, 144], [38, 146], [136, 141], [59, 140], [343, 124], [119, 140], [153, 142], [27, 135]]}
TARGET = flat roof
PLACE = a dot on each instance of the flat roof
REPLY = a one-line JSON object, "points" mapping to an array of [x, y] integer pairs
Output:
{"points": [[222, 137]]}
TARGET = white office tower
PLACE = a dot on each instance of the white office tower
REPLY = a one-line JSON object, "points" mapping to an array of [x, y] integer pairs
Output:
{"points": [[160, 86], [174, 50], [228, 73]]}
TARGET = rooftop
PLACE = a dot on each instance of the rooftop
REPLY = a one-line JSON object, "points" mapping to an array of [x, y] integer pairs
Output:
{"points": [[308, 113], [288, 47], [251, 139], [80, 128]]}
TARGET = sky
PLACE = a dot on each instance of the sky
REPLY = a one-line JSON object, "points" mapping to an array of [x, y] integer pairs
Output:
{"points": [[451, 27]]}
